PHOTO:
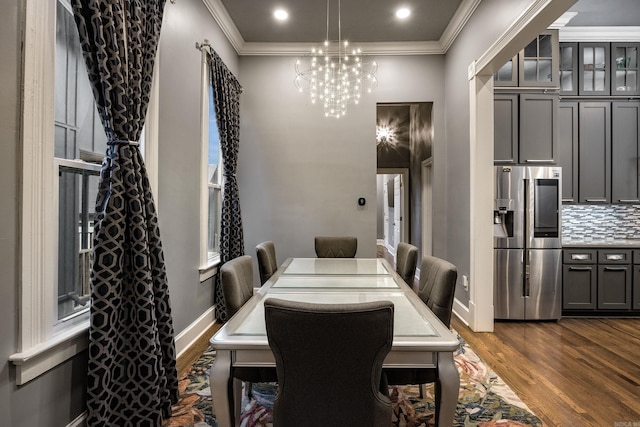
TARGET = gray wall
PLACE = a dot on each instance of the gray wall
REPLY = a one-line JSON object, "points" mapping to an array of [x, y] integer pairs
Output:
{"points": [[473, 41], [300, 174]]}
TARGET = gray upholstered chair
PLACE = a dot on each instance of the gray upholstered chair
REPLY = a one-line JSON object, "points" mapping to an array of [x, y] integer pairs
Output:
{"points": [[436, 288], [406, 262], [336, 246], [267, 263], [329, 362], [236, 278]]}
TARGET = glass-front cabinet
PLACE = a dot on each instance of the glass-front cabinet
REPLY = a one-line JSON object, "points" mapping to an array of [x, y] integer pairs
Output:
{"points": [[537, 64], [594, 69], [624, 60], [568, 68]]}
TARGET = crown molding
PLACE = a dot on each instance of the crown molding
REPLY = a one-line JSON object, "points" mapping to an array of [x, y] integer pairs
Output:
{"points": [[599, 34], [228, 27]]}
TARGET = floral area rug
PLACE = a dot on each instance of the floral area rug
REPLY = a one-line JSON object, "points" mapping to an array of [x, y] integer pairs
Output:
{"points": [[484, 400]]}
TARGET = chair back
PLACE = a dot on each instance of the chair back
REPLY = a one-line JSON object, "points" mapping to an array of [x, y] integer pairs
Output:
{"points": [[236, 278], [406, 262], [329, 362], [267, 263], [437, 286], [336, 246]]}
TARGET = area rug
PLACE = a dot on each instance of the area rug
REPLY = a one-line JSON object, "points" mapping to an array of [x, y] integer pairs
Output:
{"points": [[484, 400]]}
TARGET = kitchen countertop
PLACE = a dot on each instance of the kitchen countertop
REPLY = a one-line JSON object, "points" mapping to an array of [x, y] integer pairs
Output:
{"points": [[590, 242]]}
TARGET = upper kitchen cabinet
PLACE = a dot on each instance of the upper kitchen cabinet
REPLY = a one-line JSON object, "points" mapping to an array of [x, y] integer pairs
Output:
{"points": [[535, 66], [538, 62], [568, 149], [593, 66], [594, 135], [568, 68], [624, 60], [625, 152]]}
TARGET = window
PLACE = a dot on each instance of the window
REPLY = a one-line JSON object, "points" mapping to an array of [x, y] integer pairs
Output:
{"points": [[212, 180], [63, 145]]}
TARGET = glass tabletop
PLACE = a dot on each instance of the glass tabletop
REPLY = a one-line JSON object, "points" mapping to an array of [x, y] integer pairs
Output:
{"points": [[407, 320], [336, 266], [346, 282]]}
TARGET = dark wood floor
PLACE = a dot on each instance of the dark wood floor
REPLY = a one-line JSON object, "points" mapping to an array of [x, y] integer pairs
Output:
{"points": [[574, 372]]}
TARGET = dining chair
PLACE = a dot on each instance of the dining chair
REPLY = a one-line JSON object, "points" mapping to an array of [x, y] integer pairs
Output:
{"points": [[436, 288], [329, 362], [236, 278], [406, 262], [336, 246], [267, 263]]}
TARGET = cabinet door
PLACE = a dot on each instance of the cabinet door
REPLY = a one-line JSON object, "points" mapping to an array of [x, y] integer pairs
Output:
{"points": [[538, 129], [507, 75], [625, 152], [505, 148], [593, 63], [594, 133], [568, 149], [636, 287], [538, 61], [579, 287], [568, 65], [614, 287], [624, 73]]}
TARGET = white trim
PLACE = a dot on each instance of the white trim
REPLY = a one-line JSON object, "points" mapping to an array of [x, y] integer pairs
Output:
{"points": [[461, 311], [204, 155], [230, 30], [194, 331], [209, 270], [80, 421], [599, 34], [38, 232]]}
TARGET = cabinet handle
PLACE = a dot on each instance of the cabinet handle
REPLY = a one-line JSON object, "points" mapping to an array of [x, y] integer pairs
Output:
{"points": [[596, 200], [540, 161], [615, 257], [580, 268], [615, 268], [580, 257], [629, 200]]}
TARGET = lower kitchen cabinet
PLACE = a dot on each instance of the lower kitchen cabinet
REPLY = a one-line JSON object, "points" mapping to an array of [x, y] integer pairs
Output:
{"points": [[601, 281]]}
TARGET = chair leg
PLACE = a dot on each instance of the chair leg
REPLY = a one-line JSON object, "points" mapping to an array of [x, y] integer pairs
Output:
{"points": [[423, 390], [237, 398]]}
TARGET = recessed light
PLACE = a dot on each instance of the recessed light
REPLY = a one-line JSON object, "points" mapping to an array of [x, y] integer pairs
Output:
{"points": [[403, 13], [281, 14]]}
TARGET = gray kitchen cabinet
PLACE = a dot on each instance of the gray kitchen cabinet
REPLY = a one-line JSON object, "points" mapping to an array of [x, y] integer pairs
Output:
{"points": [[614, 279], [568, 66], [625, 152], [505, 129], [635, 292], [594, 69], [507, 75], [579, 279], [526, 129], [538, 61], [594, 133], [568, 149], [624, 73]]}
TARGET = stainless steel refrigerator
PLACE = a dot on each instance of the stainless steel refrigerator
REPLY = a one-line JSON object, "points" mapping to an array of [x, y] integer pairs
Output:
{"points": [[527, 243]]}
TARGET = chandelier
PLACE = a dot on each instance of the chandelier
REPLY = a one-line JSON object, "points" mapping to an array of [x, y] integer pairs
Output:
{"points": [[334, 74]]}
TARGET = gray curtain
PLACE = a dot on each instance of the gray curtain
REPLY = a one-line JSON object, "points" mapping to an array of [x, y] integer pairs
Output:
{"points": [[226, 100], [132, 378]]}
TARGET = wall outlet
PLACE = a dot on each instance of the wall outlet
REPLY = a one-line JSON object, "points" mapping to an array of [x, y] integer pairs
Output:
{"points": [[465, 282]]}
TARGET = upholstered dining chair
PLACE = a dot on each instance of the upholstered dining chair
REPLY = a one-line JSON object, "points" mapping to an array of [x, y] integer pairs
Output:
{"points": [[436, 288], [336, 246], [329, 362], [267, 263], [236, 278], [406, 262]]}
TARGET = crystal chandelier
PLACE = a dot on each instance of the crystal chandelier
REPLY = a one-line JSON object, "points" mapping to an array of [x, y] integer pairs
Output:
{"points": [[335, 74]]}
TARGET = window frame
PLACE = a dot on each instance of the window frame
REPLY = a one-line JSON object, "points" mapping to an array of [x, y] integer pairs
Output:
{"points": [[208, 265], [42, 344]]}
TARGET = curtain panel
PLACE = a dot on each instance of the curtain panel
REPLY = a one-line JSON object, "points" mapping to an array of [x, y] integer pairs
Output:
{"points": [[226, 100], [132, 377]]}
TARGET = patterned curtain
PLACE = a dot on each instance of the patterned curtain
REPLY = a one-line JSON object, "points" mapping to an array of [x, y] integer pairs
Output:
{"points": [[132, 378], [226, 100]]}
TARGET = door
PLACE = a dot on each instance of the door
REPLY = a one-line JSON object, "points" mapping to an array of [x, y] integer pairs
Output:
{"points": [[508, 284], [542, 284]]}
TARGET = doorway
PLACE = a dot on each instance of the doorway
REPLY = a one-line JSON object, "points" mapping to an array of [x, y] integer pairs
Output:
{"points": [[393, 207], [427, 206]]}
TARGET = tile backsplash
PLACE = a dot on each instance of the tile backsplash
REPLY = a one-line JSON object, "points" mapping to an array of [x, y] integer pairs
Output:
{"points": [[601, 221]]}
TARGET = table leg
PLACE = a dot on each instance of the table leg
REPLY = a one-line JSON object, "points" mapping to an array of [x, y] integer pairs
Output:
{"points": [[219, 382], [449, 387]]}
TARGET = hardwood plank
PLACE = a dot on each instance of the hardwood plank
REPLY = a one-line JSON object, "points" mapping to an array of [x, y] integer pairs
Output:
{"points": [[574, 372], [192, 353]]}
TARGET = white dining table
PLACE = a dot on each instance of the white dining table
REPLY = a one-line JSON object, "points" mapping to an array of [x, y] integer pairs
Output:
{"points": [[420, 340]]}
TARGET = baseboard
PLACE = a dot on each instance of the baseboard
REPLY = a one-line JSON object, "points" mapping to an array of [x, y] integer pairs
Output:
{"points": [[192, 332], [80, 421], [461, 311]]}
